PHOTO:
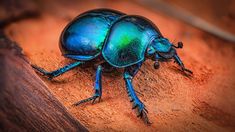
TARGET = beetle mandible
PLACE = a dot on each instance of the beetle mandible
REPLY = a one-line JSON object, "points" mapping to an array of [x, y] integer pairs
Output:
{"points": [[116, 40]]}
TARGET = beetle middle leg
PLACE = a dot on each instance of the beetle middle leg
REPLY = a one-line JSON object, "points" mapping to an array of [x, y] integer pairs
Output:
{"points": [[58, 72], [97, 87], [129, 74]]}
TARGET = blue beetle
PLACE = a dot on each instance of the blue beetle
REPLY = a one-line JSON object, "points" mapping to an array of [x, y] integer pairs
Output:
{"points": [[114, 40]]}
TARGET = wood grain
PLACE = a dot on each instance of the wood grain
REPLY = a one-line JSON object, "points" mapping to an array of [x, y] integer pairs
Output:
{"points": [[26, 104]]}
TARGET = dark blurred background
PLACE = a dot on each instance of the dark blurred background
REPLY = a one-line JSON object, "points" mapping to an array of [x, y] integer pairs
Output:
{"points": [[214, 16]]}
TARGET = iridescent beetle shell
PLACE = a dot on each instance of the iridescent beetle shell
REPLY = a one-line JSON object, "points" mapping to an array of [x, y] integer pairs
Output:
{"points": [[121, 39], [83, 38]]}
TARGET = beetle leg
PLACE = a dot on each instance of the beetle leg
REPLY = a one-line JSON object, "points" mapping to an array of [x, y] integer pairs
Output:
{"points": [[181, 64], [129, 73], [58, 72], [97, 87]]}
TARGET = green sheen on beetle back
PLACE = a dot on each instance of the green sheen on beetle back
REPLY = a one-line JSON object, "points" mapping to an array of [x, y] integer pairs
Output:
{"points": [[127, 41]]}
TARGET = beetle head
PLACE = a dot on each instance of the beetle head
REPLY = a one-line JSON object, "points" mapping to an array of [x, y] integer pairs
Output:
{"points": [[161, 49]]}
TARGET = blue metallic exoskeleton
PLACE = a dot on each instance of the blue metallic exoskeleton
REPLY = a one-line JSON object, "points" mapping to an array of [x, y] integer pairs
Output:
{"points": [[114, 40]]}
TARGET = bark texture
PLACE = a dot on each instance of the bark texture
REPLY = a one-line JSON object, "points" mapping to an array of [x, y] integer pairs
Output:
{"points": [[26, 104]]}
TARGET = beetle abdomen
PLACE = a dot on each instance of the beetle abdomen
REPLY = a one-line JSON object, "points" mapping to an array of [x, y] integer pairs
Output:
{"points": [[128, 40], [84, 37]]}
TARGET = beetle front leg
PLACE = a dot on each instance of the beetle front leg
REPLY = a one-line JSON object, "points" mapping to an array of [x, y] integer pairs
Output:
{"points": [[58, 72], [129, 73], [97, 87], [181, 64]]}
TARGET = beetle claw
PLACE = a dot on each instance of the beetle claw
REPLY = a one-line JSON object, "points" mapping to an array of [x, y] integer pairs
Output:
{"points": [[43, 72], [141, 112], [143, 115], [93, 101], [187, 70], [93, 98]]}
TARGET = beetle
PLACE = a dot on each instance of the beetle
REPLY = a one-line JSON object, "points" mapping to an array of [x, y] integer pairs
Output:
{"points": [[115, 40]]}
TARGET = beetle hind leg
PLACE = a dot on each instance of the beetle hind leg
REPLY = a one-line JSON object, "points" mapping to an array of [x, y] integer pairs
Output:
{"points": [[97, 87], [58, 72]]}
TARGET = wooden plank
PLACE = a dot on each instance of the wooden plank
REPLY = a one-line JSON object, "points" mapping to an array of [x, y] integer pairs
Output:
{"points": [[26, 104]]}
